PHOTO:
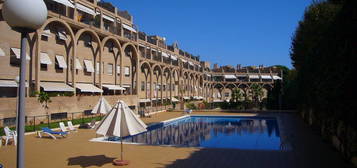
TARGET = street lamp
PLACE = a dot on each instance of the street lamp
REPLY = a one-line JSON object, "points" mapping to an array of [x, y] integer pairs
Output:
{"points": [[24, 16]]}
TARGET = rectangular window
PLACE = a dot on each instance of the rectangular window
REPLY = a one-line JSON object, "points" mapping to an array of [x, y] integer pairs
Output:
{"points": [[59, 116], [226, 94], [142, 86], [110, 69], [127, 71], [9, 121], [118, 70], [97, 68], [163, 87]]}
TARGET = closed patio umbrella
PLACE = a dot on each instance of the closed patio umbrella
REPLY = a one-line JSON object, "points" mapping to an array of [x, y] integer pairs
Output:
{"points": [[102, 107], [121, 122]]}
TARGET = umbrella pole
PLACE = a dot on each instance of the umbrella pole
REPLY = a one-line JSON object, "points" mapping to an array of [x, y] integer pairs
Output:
{"points": [[121, 141]]}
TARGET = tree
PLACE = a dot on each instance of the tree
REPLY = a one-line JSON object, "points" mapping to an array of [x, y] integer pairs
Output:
{"points": [[257, 92], [237, 95], [44, 99]]}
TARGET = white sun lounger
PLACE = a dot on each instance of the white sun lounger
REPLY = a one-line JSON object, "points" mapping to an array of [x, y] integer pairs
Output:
{"points": [[70, 126], [63, 127]]}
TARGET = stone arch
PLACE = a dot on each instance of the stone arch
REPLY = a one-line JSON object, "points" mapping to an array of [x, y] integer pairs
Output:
{"points": [[114, 58], [38, 35], [97, 53], [130, 52]]}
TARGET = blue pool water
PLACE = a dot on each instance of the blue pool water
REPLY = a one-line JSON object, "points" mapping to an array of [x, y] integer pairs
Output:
{"points": [[249, 133]]}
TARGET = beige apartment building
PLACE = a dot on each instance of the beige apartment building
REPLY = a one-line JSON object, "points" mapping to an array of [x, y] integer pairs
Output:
{"points": [[87, 49]]}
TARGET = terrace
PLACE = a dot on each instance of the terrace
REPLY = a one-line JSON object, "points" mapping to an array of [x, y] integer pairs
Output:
{"points": [[300, 148]]}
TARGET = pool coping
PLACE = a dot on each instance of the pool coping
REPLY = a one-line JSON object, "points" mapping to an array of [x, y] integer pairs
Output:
{"points": [[101, 139]]}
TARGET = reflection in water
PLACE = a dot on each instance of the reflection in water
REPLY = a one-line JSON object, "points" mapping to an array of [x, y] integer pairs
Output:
{"points": [[215, 132]]}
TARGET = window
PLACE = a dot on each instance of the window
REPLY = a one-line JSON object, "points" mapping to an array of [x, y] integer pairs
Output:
{"points": [[59, 116], [118, 70], [163, 87], [110, 69], [10, 121], [97, 68], [142, 86], [127, 71], [226, 94]]}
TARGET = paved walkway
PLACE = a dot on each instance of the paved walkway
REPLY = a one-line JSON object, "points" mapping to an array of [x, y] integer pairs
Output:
{"points": [[303, 149]]}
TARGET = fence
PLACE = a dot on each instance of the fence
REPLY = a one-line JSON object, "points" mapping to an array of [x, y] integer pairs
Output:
{"points": [[35, 123]]}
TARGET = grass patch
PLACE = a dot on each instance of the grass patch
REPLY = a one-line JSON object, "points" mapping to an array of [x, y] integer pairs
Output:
{"points": [[31, 128]]}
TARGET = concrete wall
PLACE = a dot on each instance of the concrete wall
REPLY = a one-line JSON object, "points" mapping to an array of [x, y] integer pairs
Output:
{"points": [[59, 104]]}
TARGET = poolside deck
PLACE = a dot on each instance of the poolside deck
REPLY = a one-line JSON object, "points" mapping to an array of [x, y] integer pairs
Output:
{"points": [[77, 151]]}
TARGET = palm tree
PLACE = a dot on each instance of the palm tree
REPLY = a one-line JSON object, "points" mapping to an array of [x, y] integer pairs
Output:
{"points": [[44, 99], [237, 95], [257, 92]]}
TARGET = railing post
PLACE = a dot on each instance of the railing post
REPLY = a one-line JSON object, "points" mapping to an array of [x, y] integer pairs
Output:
{"points": [[34, 123]]}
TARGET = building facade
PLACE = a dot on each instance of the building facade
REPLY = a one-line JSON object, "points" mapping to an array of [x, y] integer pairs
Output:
{"points": [[88, 49]]}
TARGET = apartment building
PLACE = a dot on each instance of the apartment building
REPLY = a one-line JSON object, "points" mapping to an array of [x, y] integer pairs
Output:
{"points": [[89, 48]]}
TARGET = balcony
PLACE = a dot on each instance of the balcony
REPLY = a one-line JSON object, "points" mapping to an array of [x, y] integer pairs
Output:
{"points": [[106, 5], [125, 14], [142, 36]]}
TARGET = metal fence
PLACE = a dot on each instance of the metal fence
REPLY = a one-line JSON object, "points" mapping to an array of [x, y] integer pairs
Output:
{"points": [[35, 123]]}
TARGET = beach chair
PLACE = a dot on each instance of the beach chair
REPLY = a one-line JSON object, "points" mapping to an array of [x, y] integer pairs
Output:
{"points": [[52, 133], [70, 126], [63, 127], [9, 134]]}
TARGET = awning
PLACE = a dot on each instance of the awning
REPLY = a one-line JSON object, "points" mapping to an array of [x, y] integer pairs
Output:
{"points": [[217, 101], [61, 34], [61, 62], [173, 99], [85, 9], [189, 62], [108, 18], [144, 100], [126, 86], [174, 57], [183, 60], [17, 52], [77, 64], [113, 87], [88, 88], [46, 32], [165, 55], [56, 87], [254, 76], [240, 76], [2, 53], [208, 75], [186, 98], [277, 77], [10, 83], [129, 28], [65, 2], [230, 77], [266, 77], [45, 59], [88, 65]]}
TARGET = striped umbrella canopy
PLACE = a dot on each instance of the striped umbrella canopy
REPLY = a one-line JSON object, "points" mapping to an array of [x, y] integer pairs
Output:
{"points": [[121, 122], [102, 107]]}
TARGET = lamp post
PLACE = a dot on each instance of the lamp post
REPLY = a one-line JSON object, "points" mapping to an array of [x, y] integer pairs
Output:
{"points": [[24, 16]]}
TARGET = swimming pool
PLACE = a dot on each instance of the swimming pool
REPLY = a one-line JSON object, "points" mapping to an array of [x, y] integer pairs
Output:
{"points": [[249, 133]]}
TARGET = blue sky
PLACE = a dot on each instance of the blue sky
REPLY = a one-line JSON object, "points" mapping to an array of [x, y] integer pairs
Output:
{"points": [[227, 32]]}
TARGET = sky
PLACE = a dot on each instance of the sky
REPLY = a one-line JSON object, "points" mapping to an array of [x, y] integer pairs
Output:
{"points": [[227, 32]]}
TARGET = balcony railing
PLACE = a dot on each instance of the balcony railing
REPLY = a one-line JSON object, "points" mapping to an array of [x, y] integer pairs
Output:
{"points": [[106, 5], [124, 14]]}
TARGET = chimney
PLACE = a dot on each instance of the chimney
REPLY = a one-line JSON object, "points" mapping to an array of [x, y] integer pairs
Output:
{"points": [[238, 66], [215, 66]]}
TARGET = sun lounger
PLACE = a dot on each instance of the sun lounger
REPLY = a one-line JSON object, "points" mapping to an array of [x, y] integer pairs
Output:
{"points": [[9, 134], [70, 126], [52, 133], [63, 127]]}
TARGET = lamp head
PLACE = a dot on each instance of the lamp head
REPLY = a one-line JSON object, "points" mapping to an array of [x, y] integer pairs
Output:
{"points": [[24, 15]]}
